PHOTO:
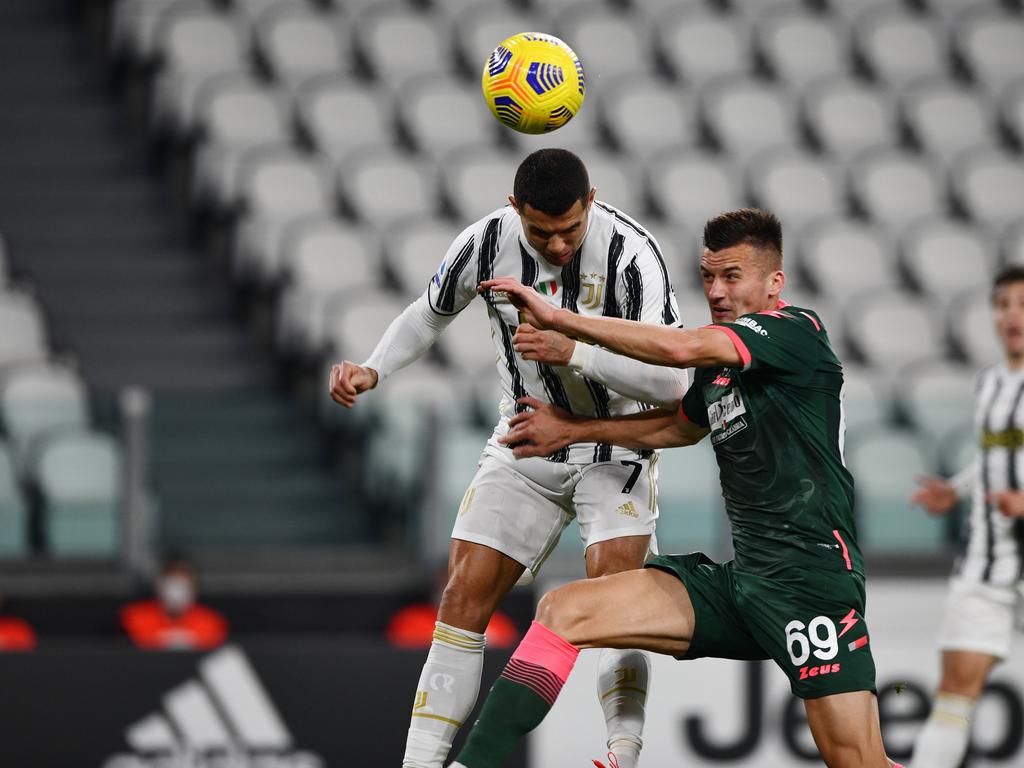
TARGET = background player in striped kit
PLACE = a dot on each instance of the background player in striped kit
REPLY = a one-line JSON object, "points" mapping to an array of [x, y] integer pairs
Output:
{"points": [[589, 258], [986, 591]]}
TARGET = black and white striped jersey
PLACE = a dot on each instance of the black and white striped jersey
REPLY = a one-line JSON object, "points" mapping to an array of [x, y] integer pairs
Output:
{"points": [[995, 543], [618, 271]]}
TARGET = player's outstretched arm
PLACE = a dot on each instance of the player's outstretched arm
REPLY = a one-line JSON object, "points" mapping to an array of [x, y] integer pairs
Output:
{"points": [[660, 345], [348, 381], [935, 495], [547, 429]]}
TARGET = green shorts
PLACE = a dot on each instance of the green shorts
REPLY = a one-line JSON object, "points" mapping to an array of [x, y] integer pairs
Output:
{"points": [[810, 623]]}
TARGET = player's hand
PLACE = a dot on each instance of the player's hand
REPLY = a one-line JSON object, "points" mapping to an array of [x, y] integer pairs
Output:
{"points": [[935, 495], [549, 347], [1010, 503], [349, 380], [534, 309], [540, 432]]}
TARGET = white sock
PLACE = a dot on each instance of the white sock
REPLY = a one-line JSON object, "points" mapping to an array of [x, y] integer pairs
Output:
{"points": [[623, 677], [942, 742], [445, 695]]}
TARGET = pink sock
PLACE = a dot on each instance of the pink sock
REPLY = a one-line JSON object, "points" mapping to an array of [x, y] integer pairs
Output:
{"points": [[542, 662]]}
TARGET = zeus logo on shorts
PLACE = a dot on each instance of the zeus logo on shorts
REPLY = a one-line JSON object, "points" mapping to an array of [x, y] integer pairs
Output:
{"points": [[821, 671], [727, 409]]}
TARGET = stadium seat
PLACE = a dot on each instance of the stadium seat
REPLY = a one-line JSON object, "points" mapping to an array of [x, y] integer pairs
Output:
{"points": [[355, 322], [700, 46], [399, 42], [800, 46], [866, 399], [617, 183], [78, 474], [693, 307], [193, 48], [135, 24], [645, 115], [892, 330], [944, 257], [898, 47], [278, 188], [235, 114], [383, 186], [37, 399], [936, 396], [467, 342], [321, 259], [989, 184], [681, 248], [746, 116], [796, 186], [459, 453], [609, 43], [13, 510], [842, 257], [885, 465], [297, 43], [895, 188], [847, 115], [414, 249], [1013, 110], [690, 187], [478, 180], [969, 321], [1013, 245], [953, 12], [846, 11], [24, 336], [991, 44], [946, 118], [691, 515], [340, 115], [442, 113]]}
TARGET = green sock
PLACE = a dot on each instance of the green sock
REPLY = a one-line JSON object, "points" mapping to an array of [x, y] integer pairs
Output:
{"points": [[511, 711]]}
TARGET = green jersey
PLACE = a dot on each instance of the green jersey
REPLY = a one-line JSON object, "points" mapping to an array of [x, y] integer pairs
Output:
{"points": [[777, 428]]}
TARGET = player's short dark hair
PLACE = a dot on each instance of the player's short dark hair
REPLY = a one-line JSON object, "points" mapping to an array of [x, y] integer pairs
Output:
{"points": [[1014, 273], [750, 226], [551, 180]]}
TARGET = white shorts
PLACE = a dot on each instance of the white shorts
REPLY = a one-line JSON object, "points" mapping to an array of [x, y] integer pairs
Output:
{"points": [[521, 506], [980, 617]]}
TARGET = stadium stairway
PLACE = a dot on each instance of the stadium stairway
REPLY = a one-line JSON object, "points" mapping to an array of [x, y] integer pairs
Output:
{"points": [[235, 463]]}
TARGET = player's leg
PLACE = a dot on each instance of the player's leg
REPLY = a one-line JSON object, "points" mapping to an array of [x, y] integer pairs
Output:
{"points": [[648, 609], [846, 730], [942, 742], [490, 549], [478, 578], [623, 675], [977, 631], [616, 507]]}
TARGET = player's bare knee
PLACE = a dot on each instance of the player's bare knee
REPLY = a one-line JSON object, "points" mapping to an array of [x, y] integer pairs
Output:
{"points": [[465, 606]]}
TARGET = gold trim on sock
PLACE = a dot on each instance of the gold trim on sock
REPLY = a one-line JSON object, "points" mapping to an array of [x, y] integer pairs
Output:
{"points": [[448, 720], [618, 688]]}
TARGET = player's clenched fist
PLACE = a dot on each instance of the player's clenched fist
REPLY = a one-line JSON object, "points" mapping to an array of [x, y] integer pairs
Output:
{"points": [[349, 380], [548, 347]]}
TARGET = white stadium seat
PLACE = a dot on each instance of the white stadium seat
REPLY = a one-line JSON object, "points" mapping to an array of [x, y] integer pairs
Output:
{"points": [[617, 183], [479, 29], [866, 401], [899, 47], [1013, 109], [467, 342], [399, 42], [692, 187], [278, 188], [646, 115], [609, 43], [800, 46], [946, 118], [341, 115], [797, 186], [414, 249], [936, 397], [945, 257], [991, 43], [1013, 245], [442, 113], [885, 465], [893, 329], [842, 257], [970, 324], [298, 44], [895, 187], [356, 322], [383, 186], [24, 337], [13, 509], [847, 115], [746, 116], [700, 46], [989, 184], [478, 180]]}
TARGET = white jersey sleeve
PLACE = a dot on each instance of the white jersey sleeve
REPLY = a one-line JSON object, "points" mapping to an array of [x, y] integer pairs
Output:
{"points": [[644, 293], [416, 330]]}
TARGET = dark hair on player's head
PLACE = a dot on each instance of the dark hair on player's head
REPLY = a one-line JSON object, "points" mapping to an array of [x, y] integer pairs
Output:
{"points": [[1011, 274], [551, 180], [750, 226]]}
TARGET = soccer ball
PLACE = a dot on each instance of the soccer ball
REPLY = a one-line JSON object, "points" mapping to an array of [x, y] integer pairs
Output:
{"points": [[534, 82]]}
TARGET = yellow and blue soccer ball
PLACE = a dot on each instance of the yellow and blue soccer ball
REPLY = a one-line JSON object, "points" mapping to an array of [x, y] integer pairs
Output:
{"points": [[534, 82]]}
